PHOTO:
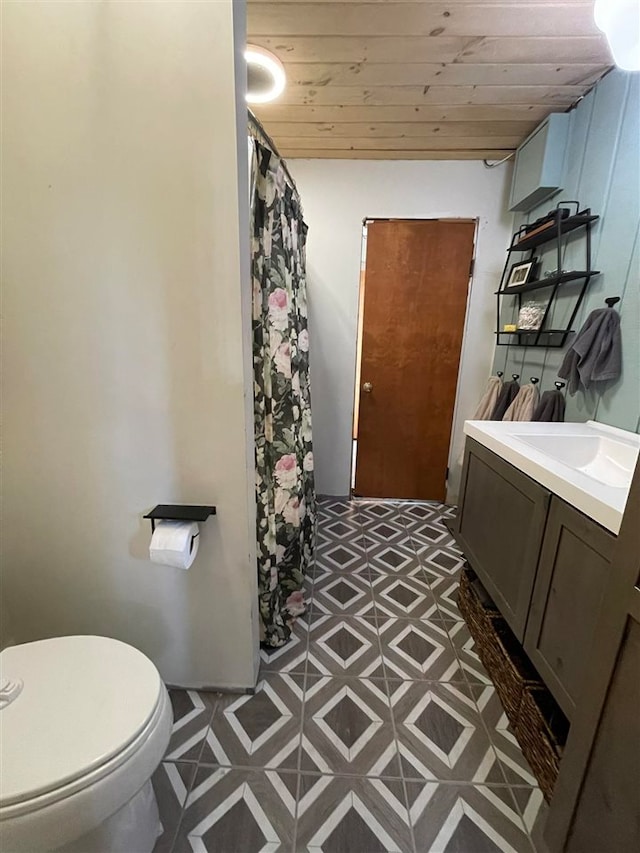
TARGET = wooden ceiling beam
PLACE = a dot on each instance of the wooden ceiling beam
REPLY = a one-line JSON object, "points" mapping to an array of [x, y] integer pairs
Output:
{"points": [[392, 154], [275, 112], [394, 49], [364, 74], [506, 143], [422, 19], [320, 131], [554, 96]]}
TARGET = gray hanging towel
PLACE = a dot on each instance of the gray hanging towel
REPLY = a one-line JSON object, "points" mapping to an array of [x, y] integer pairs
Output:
{"points": [[505, 399], [524, 404], [489, 399], [596, 352], [550, 408]]}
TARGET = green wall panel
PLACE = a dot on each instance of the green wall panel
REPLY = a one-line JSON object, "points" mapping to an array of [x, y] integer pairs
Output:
{"points": [[602, 172]]}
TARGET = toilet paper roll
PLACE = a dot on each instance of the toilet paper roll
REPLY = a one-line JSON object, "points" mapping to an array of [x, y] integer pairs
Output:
{"points": [[175, 543]]}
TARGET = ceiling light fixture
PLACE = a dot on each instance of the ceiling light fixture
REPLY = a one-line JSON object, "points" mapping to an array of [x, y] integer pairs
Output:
{"points": [[619, 20], [266, 77]]}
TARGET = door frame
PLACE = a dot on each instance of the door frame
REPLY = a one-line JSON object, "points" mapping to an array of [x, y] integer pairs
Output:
{"points": [[360, 328]]}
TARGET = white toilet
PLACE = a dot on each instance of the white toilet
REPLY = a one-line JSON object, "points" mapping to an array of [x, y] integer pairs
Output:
{"points": [[84, 722]]}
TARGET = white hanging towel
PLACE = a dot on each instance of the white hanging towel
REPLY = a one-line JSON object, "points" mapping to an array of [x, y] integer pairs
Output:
{"points": [[486, 405], [523, 405], [489, 399]]}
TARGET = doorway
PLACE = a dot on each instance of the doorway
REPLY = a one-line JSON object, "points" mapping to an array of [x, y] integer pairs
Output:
{"points": [[414, 288]]}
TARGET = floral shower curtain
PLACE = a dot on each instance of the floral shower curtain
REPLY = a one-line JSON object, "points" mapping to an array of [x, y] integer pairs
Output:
{"points": [[284, 458]]}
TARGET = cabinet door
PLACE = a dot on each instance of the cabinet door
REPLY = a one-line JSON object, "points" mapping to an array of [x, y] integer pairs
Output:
{"points": [[607, 813], [596, 801], [500, 526], [575, 564]]}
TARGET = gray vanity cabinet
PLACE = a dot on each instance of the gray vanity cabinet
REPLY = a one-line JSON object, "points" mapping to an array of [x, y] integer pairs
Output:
{"points": [[572, 573], [501, 520]]}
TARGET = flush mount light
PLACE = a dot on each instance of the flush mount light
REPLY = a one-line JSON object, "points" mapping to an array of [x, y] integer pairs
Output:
{"points": [[619, 20], [265, 75]]}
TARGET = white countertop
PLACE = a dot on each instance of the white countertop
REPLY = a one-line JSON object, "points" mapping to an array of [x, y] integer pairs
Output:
{"points": [[566, 478]]}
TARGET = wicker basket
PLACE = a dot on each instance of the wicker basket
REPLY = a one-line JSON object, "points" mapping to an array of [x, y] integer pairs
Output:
{"points": [[540, 726], [542, 732], [510, 670], [475, 605], [497, 647]]}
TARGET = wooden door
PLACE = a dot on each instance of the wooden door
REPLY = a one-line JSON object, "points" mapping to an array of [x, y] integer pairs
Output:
{"points": [[416, 283], [596, 803]]}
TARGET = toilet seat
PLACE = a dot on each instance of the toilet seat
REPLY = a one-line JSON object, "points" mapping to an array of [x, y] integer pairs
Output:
{"points": [[105, 721]]}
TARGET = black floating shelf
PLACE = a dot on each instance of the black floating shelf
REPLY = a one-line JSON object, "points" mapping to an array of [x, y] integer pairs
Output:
{"points": [[551, 233], [550, 338], [551, 281], [536, 332], [179, 512]]}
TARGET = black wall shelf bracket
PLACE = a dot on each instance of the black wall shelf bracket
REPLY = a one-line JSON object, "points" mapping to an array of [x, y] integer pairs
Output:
{"points": [[179, 512], [559, 223]]}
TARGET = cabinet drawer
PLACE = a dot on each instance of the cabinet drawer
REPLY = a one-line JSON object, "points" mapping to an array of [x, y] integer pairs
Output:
{"points": [[572, 573], [500, 527]]}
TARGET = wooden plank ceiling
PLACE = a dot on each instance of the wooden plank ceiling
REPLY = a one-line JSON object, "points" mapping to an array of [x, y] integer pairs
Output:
{"points": [[423, 80]]}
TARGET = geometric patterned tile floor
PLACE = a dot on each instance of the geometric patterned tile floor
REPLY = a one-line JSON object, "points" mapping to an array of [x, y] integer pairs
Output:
{"points": [[376, 728]]}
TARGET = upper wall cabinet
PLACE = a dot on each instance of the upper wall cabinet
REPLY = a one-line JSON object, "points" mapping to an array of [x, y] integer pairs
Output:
{"points": [[539, 165]]}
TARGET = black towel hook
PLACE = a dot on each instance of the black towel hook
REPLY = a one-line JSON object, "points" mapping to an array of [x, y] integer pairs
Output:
{"points": [[559, 385], [534, 380], [500, 374], [515, 376], [611, 301]]}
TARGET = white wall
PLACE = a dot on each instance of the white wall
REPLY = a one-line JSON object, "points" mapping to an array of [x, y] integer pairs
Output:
{"points": [[127, 369], [337, 195]]}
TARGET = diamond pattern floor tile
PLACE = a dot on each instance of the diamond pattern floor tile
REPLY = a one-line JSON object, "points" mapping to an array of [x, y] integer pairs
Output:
{"points": [[343, 528], [342, 557], [346, 646], [403, 597], [335, 508], [392, 558], [192, 713], [535, 820], [418, 649], [376, 724], [239, 811], [515, 769], [375, 511], [338, 814], [445, 591], [441, 561], [440, 733], [465, 649], [466, 819], [259, 730], [347, 727], [385, 528], [342, 593], [289, 658], [429, 535], [171, 785], [420, 513]]}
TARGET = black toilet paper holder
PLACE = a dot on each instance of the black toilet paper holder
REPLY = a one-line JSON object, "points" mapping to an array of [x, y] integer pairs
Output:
{"points": [[179, 512]]}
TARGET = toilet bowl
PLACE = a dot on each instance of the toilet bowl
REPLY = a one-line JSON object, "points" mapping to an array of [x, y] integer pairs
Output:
{"points": [[84, 722]]}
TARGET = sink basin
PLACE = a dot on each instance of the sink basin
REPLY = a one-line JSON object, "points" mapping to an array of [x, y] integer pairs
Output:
{"points": [[589, 465], [605, 459]]}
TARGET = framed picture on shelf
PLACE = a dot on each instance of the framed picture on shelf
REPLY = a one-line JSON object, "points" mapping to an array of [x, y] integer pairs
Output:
{"points": [[521, 273]]}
